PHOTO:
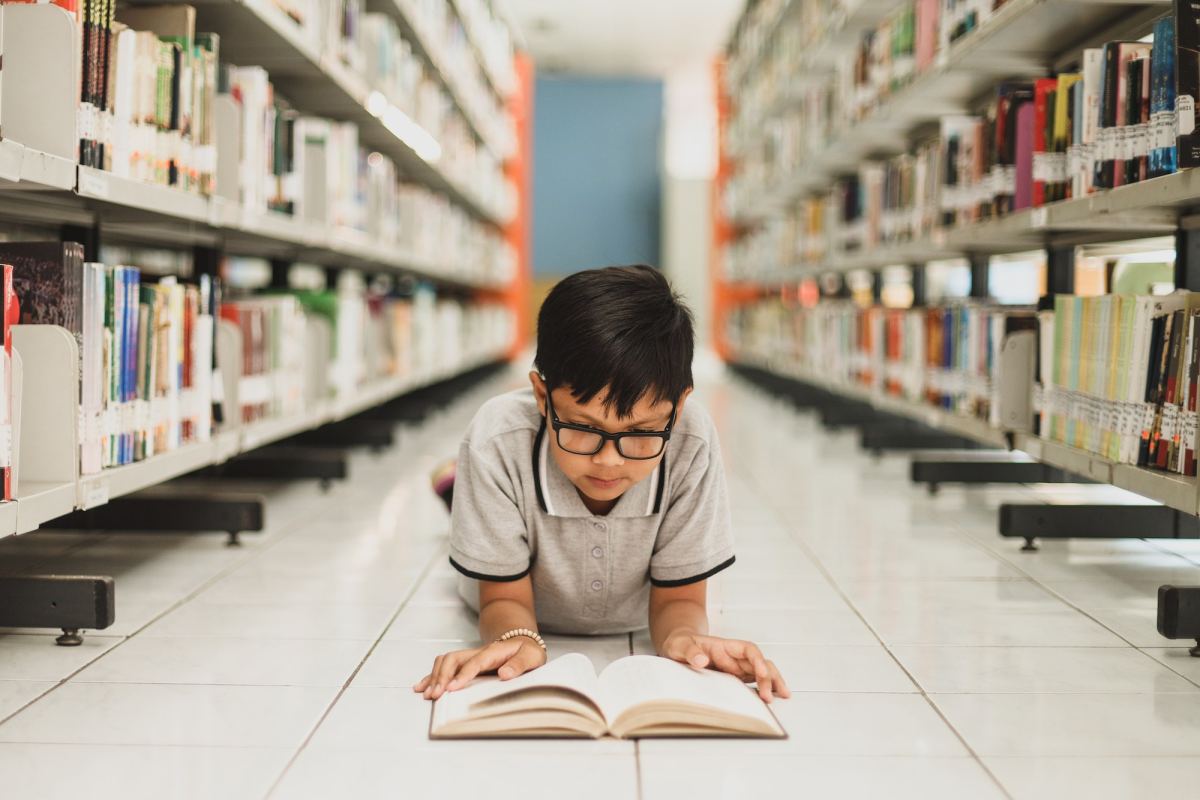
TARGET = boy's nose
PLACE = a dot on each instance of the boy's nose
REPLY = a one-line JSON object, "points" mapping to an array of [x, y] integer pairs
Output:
{"points": [[608, 455]]}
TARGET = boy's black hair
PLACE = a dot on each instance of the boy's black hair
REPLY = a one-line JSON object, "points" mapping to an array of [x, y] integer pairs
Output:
{"points": [[617, 328]]}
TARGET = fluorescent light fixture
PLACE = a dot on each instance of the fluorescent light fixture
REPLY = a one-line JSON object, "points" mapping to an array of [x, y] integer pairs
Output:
{"points": [[404, 128]]}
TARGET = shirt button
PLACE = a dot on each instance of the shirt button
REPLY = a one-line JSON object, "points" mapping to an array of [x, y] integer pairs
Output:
{"points": [[597, 586], [600, 526], [597, 552]]}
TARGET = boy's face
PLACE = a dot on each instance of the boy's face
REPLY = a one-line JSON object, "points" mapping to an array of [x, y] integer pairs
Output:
{"points": [[603, 477]]}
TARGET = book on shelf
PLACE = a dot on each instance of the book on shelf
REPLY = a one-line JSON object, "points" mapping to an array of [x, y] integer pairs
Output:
{"points": [[634, 697], [10, 314], [1186, 55], [1122, 379]]}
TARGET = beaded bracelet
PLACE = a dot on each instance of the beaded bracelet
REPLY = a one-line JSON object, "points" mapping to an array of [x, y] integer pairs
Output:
{"points": [[522, 632]]}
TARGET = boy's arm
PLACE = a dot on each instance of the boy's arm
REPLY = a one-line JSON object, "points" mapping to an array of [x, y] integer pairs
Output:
{"points": [[679, 629], [503, 606]]}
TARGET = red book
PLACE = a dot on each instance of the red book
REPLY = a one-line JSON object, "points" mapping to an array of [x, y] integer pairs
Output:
{"points": [[1041, 108], [10, 316]]}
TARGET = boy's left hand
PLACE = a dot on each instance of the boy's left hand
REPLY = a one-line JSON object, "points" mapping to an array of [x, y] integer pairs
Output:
{"points": [[741, 659]]}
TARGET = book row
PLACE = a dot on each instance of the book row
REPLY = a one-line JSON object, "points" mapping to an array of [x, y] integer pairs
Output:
{"points": [[159, 104], [1036, 142], [149, 375], [1114, 375], [301, 348], [1120, 115]]}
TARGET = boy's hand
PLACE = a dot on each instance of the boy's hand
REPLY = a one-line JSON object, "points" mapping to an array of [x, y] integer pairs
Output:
{"points": [[508, 659], [741, 659]]}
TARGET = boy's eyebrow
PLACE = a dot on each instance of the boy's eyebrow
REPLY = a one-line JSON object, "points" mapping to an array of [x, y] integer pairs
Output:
{"points": [[598, 424]]}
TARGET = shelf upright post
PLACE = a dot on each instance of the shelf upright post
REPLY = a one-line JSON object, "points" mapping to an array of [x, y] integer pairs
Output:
{"points": [[979, 274], [331, 276], [281, 269], [1187, 258], [206, 261], [1060, 269], [877, 286], [86, 235], [919, 288]]}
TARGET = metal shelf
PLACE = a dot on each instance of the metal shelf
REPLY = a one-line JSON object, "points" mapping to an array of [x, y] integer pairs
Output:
{"points": [[97, 489], [489, 70], [47, 188], [257, 32], [1149, 208], [40, 502], [423, 43], [1020, 40], [1175, 491]]}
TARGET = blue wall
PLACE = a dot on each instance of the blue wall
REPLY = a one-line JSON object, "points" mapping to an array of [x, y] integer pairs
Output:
{"points": [[596, 185]]}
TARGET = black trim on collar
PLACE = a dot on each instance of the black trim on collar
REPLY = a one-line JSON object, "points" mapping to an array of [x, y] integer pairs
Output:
{"points": [[662, 482], [694, 578], [537, 472], [479, 576]]}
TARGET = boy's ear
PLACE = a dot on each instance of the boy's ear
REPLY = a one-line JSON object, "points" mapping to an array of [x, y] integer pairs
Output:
{"points": [[539, 390], [682, 399]]}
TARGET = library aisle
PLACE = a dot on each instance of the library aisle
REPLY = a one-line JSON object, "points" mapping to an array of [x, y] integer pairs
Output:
{"points": [[928, 657]]}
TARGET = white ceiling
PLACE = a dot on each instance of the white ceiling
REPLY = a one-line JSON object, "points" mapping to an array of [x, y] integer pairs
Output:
{"points": [[623, 37]]}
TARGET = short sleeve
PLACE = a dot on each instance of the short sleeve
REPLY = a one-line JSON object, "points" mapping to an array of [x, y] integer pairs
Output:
{"points": [[695, 540], [488, 537]]}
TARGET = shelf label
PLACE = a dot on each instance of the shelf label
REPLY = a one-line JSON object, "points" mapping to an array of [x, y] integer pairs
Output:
{"points": [[1039, 217], [93, 185], [97, 495]]}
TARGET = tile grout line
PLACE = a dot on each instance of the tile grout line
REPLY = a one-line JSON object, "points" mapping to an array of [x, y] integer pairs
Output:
{"points": [[637, 746], [247, 558], [924, 694], [1070, 604], [346, 685]]}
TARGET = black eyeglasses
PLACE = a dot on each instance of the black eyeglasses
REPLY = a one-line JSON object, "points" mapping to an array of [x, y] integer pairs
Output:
{"points": [[585, 441]]}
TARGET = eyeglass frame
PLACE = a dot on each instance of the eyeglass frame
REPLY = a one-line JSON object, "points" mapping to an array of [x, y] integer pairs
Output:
{"points": [[605, 437]]}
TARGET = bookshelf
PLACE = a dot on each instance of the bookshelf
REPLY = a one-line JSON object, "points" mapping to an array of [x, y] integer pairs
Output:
{"points": [[48, 187], [40, 500], [1021, 39]]}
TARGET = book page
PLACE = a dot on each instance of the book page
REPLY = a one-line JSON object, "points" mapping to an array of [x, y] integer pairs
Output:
{"points": [[573, 672], [637, 680]]}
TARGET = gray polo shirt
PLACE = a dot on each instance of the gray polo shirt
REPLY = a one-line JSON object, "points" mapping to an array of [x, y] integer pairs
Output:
{"points": [[515, 513]]}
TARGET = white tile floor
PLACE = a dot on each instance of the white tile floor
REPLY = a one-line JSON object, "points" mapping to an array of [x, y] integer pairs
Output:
{"points": [[929, 657]]}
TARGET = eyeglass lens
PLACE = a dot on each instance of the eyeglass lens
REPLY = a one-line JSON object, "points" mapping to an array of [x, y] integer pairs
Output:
{"points": [[586, 443]]}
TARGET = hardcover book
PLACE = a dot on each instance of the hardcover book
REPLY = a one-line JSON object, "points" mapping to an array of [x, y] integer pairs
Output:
{"points": [[634, 697]]}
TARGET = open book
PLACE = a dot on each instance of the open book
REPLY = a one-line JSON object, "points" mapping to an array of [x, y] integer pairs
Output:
{"points": [[633, 697]]}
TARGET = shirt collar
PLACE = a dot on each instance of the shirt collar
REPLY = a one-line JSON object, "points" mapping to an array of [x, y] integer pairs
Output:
{"points": [[558, 497]]}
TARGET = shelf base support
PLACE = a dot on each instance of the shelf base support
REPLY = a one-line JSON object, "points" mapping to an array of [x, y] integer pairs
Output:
{"points": [[983, 466], [888, 436], [168, 509], [355, 432], [1179, 614], [1033, 521], [285, 463], [67, 602]]}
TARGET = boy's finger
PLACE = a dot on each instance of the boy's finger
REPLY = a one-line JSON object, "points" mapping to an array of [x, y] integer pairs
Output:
{"points": [[727, 663], [420, 685], [781, 688], [432, 677], [446, 669], [485, 659], [523, 661], [685, 649]]}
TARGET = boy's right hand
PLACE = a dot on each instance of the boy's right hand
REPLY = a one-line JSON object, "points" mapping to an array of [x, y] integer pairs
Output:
{"points": [[508, 659]]}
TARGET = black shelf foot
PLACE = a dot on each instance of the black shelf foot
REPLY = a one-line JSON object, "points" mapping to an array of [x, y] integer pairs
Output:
{"points": [[1194, 652], [70, 638], [1030, 546], [234, 540]]}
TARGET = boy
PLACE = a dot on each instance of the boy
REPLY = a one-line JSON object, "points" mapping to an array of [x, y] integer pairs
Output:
{"points": [[598, 496]]}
